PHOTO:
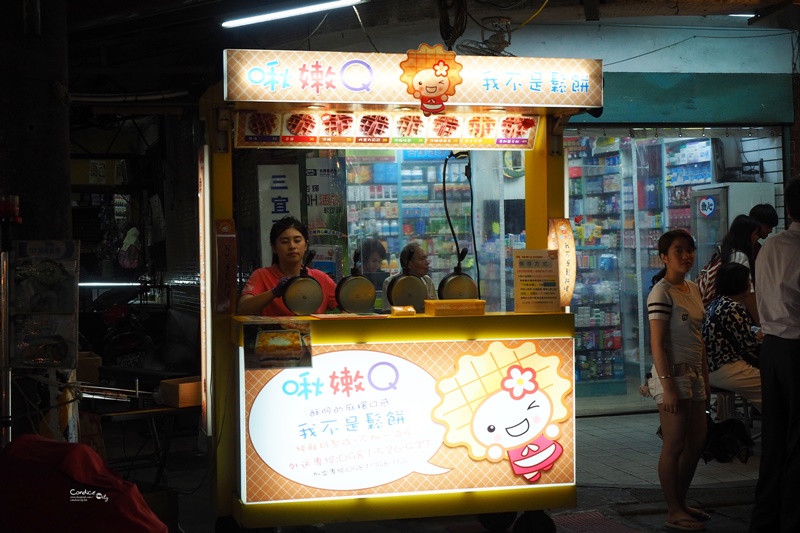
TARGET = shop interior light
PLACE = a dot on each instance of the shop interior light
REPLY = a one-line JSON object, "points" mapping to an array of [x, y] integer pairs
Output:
{"points": [[286, 12]]}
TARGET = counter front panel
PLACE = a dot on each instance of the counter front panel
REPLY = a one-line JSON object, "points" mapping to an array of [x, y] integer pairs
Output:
{"points": [[409, 419]]}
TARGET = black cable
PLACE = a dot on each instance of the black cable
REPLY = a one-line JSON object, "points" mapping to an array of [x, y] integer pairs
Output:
{"points": [[468, 173], [444, 200], [450, 32], [365, 30]]}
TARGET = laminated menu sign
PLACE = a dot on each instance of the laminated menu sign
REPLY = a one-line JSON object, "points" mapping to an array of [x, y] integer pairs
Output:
{"points": [[536, 281], [385, 129]]}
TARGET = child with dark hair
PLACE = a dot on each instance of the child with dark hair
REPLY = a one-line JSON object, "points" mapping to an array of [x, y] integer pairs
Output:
{"points": [[731, 336], [372, 255]]}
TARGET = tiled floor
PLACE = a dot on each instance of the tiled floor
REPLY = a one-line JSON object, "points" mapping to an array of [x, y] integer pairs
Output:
{"points": [[623, 451], [612, 451]]}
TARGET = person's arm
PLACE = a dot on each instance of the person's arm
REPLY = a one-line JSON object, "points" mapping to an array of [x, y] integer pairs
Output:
{"points": [[385, 306], [739, 325], [750, 303], [252, 304], [658, 338]]}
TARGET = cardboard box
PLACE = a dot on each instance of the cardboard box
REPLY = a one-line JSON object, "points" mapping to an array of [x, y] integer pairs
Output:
{"points": [[88, 370], [181, 392], [455, 307]]}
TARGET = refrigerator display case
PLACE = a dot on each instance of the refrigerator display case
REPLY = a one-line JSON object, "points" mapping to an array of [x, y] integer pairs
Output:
{"points": [[713, 208]]}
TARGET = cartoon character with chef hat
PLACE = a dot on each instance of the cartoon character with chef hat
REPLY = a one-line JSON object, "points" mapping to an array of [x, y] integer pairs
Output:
{"points": [[431, 74]]}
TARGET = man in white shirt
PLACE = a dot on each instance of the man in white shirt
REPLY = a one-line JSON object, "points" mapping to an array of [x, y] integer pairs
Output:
{"points": [[778, 298]]}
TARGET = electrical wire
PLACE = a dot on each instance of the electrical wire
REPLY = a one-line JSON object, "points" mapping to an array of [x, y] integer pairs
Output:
{"points": [[468, 173], [358, 16], [532, 16], [498, 6], [444, 201], [608, 63], [310, 35], [450, 32]]}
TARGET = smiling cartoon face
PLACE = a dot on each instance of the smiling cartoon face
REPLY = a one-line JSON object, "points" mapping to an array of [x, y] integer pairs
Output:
{"points": [[428, 84], [502, 422]]}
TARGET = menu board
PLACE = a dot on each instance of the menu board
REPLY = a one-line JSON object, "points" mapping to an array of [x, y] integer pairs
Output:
{"points": [[536, 281], [384, 129]]}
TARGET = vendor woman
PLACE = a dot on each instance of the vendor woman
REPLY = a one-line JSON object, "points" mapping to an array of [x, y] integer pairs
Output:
{"points": [[263, 293]]}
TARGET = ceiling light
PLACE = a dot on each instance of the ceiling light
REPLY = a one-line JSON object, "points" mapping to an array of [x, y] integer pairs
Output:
{"points": [[291, 12]]}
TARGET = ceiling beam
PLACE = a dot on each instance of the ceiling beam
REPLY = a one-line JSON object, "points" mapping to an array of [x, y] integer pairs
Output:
{"points": [[591, 10]]}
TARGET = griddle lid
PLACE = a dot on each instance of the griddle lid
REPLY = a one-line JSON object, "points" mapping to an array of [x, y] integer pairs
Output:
{"points": [[303, 295], [408, 289], [457, 286], [356, 294]]}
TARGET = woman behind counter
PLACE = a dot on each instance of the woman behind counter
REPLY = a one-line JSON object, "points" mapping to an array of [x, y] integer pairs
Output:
{"points": [[262, 295], [680, 376]]}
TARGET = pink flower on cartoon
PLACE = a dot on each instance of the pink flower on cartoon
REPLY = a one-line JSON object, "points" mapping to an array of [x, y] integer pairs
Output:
{"points": [[441, 68], [520, 381]]}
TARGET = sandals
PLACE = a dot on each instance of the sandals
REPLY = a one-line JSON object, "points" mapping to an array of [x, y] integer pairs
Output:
{"points": [[700, 516], [685, 524]]}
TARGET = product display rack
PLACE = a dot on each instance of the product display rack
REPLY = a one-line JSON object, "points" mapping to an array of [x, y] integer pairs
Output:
{"points": [[401, 200], [595, 200], [686, 163]]}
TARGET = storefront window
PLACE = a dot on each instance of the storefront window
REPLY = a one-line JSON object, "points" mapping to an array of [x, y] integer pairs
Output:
{"points": [[368, 204], [625, 189]]}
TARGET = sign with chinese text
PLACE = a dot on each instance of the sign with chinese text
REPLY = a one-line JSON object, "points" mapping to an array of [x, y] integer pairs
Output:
{"points": [[536, 281], [388, 79], [384, 129], [278, 196], [402, 418], [706, 206]]}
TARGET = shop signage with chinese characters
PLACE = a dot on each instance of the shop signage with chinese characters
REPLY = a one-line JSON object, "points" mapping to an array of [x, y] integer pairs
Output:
{"points": [[351, 78], [426, 98], [387, 419]]}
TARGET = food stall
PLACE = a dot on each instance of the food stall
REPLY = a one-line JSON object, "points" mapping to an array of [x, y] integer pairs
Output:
{"points": [[348, 417]]}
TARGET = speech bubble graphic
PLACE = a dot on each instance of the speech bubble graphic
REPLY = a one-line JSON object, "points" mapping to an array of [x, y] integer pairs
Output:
{"points": [[356, 419]]}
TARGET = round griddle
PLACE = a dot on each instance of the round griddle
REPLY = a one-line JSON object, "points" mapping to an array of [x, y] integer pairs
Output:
{"points": [[356, 294], [408, 289], [303, 295], [457, 286]]}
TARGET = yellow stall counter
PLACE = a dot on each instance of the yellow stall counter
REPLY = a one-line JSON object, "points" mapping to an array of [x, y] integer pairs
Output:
{"points": [[398, 417]]}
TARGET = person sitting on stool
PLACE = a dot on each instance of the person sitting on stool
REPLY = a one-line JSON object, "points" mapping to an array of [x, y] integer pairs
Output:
{"points": [[413, 260], [731, 336]]}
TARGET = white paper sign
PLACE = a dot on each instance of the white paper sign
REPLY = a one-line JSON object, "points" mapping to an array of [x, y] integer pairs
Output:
{"points": [[536, 281]]}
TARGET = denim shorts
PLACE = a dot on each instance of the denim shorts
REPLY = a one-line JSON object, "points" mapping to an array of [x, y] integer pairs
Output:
{"points": [[690, 385]]}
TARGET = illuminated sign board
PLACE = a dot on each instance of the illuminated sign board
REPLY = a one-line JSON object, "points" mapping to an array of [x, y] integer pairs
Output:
{"points": [[404, 418], [389, 79]]}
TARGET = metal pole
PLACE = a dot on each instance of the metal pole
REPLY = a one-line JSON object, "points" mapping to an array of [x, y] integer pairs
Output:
{"points": [[5, 356]]}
